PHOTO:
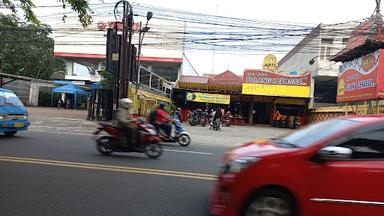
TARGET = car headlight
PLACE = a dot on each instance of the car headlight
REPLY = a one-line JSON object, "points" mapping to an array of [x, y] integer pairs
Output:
{"points": [[240, 164], [25, 116], [3, 117]]}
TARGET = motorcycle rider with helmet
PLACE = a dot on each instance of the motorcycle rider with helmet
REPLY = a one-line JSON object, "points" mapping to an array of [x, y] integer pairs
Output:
{"points": [[124, 120], [162, 120]]}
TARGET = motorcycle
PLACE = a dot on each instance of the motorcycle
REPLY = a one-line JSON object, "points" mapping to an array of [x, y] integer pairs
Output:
{"points": [[227, 120], [192, 119], [148, 141], [180, 135], [296, 123], [204, 120], [215, 125]]}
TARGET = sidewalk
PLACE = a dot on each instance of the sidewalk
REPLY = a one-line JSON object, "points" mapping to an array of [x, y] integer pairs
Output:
{"points": [[74, 121], [60, 120]]}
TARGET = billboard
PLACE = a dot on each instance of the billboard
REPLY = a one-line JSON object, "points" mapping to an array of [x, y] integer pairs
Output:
{"points": [[208, 98], [257, 82], [360, 78]]}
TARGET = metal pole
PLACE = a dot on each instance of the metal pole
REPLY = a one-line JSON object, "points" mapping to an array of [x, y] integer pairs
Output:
{"points": [[123, 54], [129, 57], [138, 59]]}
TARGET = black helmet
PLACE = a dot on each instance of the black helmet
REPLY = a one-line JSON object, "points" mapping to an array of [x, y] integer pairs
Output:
{"points": [[163, 105]]}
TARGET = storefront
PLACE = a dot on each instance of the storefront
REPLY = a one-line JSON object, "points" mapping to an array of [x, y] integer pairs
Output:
{"points": [[275, 93]]}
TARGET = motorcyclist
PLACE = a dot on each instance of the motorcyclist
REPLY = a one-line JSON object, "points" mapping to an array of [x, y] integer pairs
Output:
{"points": [[178, 114], [217, 114], [163, 118], [124, 120]]}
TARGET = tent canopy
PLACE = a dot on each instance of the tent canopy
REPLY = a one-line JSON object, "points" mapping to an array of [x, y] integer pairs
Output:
{"points": [[70, 89]]}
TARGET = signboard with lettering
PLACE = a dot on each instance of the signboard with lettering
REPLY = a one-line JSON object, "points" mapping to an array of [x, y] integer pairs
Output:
{"points": [[362, 78], [258, 82], [208, 98], [270, 63]]}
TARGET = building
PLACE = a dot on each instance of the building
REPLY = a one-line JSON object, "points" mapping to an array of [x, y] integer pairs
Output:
{"points": [[313, 55], [253, 98]]}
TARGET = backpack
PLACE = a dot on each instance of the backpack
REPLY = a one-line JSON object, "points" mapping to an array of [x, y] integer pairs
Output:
{"points": [[152, 116]]}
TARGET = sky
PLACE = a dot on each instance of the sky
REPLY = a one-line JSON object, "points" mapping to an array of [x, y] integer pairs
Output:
{"points": [[300, 12]]}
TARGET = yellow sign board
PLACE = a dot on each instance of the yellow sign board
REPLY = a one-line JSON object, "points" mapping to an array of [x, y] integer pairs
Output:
{"points": [[276, 90], [208, 98], [270, 63]]}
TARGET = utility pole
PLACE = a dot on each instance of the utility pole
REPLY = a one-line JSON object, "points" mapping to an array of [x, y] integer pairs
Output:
{"points": [[127, 21], [378, 3]]}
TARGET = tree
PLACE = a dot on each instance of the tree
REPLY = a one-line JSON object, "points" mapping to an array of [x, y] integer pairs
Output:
{"points": [[26, 49], [79, 6]]}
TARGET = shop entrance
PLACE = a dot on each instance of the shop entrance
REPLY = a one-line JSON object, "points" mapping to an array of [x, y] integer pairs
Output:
{"points": [[262, 113]]}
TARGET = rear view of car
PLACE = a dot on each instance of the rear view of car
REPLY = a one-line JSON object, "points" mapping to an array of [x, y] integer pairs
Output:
{"points": [[13, 114]]}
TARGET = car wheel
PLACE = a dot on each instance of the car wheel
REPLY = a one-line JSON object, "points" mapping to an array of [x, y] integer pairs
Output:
{"points": [[10, 133], [270, 203]]}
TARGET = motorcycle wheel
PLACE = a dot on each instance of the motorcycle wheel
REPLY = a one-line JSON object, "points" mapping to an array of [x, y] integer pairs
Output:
{"points": [[153, 150], [184, 140], [102, 145]]}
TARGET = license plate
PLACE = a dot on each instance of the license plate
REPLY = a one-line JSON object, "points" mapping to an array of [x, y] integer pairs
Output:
{"points": [[18, 125]]}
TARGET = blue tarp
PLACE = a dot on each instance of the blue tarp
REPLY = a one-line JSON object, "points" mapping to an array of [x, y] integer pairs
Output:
{"points": [[70, 89]]}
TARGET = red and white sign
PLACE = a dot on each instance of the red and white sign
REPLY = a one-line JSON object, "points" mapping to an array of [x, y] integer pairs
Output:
{"points": [[270, 78], [362, 78]]}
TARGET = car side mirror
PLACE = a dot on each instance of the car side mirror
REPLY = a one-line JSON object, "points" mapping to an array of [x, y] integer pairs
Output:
{"points": [[334, 153]]}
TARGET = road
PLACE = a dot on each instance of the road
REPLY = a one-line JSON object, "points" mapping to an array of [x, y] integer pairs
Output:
{"points": [[50, 173], [54, 169]]}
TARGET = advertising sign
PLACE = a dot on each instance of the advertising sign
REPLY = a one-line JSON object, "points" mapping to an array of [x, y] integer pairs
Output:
{"points": [[208, 98], [257, 82], [270, 63], [359, 79]]}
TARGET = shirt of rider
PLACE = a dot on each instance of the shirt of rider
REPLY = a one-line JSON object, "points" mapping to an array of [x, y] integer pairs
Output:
{"points": [[162, 116]]}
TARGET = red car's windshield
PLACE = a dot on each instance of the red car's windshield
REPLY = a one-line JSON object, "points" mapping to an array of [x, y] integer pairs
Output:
{"points": [[315, 132]]}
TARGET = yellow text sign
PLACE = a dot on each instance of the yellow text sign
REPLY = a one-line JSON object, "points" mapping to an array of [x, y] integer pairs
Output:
{"points": [[208, 98], [276, 90]]}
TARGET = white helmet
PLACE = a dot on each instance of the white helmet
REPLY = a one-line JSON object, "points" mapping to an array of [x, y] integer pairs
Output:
{"points": [[126, 103]]}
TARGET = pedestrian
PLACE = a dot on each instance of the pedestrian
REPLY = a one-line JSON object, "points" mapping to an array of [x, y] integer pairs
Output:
{"points": [[60, 103]]}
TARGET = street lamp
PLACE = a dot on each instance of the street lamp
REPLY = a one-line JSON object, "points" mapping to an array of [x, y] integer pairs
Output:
{"points": [[142, 32]]}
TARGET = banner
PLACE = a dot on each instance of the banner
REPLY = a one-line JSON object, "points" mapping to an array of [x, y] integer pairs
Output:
{"points": [[208, 98], [257, 82], [362, 78]]}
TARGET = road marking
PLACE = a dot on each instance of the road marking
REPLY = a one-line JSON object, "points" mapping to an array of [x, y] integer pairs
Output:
{"points": [[60, 132], [189, 152], [105, 167]]}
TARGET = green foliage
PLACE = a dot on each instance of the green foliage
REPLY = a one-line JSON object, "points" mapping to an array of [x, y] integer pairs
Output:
{"points": [[80, 6], [108, 79], [26, 49]]}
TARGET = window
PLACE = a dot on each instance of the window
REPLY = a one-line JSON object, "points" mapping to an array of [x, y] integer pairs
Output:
{"points": [[367, 145], [7, 98], [314, 133], [326, 48]]}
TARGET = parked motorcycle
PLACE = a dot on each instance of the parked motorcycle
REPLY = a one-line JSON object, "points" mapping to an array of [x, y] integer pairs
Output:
{"points": [[227, 119], [192, 118], [215, 125], [180, 135], [148, 141], [296, 123], [204, 120]]}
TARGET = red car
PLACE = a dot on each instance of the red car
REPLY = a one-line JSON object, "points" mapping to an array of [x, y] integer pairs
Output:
{"points": [[331, 168]]}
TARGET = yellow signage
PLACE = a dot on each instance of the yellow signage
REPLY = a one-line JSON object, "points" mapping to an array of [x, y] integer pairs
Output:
{"points": [[270, 63], [276, 90], [208, 98]]}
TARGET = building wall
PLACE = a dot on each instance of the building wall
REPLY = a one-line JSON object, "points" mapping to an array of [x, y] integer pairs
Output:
{"points": [[314, 46]]}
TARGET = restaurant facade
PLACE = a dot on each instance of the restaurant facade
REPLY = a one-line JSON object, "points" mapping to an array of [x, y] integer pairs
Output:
{"points": [[253, 98]]}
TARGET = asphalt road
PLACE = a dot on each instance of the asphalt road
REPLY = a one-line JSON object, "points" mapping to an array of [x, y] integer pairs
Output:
{"points": [[50, 173]]}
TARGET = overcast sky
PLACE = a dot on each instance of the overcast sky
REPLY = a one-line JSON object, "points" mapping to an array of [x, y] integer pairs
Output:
{"points": [[303, 12]]}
